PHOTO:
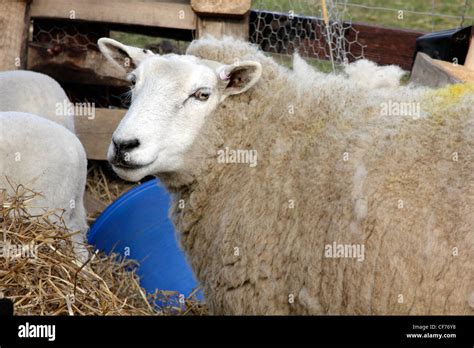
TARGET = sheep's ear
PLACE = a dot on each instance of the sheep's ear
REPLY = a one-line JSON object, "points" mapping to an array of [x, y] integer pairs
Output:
{"points": [[122, 56], [239, 77]]}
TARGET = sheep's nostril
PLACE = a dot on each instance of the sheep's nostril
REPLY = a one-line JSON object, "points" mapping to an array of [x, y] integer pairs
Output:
{"points": [[125, 145], [130, 144], [122, 150]]}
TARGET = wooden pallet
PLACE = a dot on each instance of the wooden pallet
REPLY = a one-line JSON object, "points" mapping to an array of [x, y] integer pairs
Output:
{"points": [[437, 73]]}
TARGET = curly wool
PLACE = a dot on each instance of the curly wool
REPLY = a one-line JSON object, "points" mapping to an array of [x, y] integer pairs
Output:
{"points": [[332, 170]]}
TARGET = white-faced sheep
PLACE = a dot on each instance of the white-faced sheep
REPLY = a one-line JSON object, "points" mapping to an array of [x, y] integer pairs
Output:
{"points": [[36, 93], [359, 203], [49, 159]]}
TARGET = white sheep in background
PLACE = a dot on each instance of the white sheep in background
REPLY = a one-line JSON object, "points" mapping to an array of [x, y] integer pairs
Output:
{"points": [[362, 73], [39, 94], [296, 200], [367, 74], [49, 159]]}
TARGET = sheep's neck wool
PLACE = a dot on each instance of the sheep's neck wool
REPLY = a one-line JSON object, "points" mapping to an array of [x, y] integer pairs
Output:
{"points": [[347, 210]]}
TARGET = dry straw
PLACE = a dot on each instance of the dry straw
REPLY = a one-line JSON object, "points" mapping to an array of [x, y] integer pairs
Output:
{"points": [[103, 184], [40, 273]]}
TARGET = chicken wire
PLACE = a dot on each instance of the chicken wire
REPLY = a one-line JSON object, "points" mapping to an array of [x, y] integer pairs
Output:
{"points": [[56, 34], [75, 38], [298, 26], [279, 27]]}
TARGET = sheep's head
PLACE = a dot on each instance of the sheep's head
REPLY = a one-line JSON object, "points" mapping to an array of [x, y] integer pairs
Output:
{"points": [[171, 98]]}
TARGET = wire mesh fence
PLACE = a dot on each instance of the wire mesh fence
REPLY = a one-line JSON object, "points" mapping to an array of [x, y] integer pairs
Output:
{"points": [[321, 31], [285, 26], [76, 38], [314, 29], [423, 15]]}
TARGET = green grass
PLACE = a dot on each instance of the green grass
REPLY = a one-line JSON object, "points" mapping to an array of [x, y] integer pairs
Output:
{"points": [[423, 22], [380, 17]]}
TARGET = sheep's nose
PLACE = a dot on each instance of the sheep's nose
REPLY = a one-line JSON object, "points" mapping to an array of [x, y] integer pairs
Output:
{"points": [[123, 147]]}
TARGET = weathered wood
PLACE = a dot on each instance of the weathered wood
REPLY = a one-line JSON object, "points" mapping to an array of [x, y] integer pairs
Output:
{"points": [[158, 14], [3, 194], [469, 61], [458, 72], [383, 45], [93, 206], [69, 65], [96, 134], [221, 8], [14, 26], [217, 27], [426, 72]]}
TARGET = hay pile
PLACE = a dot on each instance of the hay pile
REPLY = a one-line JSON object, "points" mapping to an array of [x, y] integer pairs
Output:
{"points": [[40, 273], [102, 188], [103, 184]]}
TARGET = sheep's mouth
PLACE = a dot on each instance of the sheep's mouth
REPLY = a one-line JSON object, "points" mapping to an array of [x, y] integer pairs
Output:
{"points": [[128, 166], [131, 171]]}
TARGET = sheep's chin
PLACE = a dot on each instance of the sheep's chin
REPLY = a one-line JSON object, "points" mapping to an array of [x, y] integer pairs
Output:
{"points": [[131, 174]]}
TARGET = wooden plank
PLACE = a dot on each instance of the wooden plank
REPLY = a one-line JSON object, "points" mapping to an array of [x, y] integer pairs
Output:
{"points": [[221, 8], [138, 12], [96, 134], [437, 73], [69, 65], [14, 25], [93, 206], [218, 27], [457, 71], [383, 45], [426, 73]]}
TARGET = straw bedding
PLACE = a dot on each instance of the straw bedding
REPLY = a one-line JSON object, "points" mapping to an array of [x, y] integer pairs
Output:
{"points": [[40, 274]]}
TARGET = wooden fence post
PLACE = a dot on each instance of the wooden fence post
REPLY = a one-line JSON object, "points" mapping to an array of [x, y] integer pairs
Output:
{"points": [[222, 17], [14, 28], [3, 195]]}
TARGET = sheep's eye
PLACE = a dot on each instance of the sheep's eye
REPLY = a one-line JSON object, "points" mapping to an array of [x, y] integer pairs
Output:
{"points": [[132, 78], [202, 94]]}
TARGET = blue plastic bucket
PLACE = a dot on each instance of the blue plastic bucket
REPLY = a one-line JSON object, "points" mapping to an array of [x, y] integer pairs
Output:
{"points": [[137, 226]]}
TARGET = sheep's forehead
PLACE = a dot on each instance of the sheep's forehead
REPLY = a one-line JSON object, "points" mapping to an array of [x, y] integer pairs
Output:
{"points": [[179, 68]]}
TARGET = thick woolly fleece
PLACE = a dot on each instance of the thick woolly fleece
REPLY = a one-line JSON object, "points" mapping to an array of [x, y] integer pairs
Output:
{"points": [[49, 159], [36, 93], [338, 167]]}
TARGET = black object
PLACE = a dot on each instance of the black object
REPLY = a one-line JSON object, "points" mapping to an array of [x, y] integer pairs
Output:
{"points": [[6, 307], [446, 45], [258, 331]]}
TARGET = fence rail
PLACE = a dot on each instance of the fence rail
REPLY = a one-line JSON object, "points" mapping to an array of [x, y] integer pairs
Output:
{"points": [[79, 63], [276, 33]]}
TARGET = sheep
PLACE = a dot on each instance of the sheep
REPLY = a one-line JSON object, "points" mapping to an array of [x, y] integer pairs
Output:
{"points": [[359, 202], [49, 159], [367, 74], [363, 73], [39, 94]]}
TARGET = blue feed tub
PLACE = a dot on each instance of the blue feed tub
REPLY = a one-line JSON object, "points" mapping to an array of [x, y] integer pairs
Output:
{"points": [[136, 225]]}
